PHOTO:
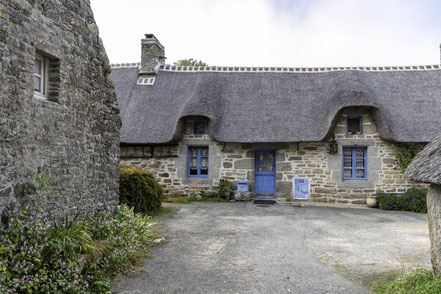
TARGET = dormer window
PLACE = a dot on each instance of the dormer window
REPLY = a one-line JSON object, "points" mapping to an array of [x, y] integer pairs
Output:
{"points": [[199, 127], [354, 125], [41, 67]]}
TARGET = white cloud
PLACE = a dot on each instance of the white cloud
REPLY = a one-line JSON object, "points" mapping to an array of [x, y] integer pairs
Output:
{"points": [[275, 32]]}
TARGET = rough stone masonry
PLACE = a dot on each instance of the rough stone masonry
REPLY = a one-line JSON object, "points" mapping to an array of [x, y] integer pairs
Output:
{"points": [[58, 109]]}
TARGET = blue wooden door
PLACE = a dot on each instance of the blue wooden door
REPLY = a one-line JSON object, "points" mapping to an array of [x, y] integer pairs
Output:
{"points": [[265, 174]]}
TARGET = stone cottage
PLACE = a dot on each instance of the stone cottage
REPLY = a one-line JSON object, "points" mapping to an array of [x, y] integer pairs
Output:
{"points": [[58, 109], [325, 134], [426, 167]]}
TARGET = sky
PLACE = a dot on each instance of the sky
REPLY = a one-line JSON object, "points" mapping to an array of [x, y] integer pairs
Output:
{"points": [[290, 33]]}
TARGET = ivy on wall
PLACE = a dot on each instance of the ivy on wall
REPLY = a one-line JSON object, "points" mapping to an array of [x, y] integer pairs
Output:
{"points": [[406, 152]]}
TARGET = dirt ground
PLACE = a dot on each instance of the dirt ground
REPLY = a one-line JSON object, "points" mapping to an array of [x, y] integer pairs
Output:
{"points": [[247, 248]]}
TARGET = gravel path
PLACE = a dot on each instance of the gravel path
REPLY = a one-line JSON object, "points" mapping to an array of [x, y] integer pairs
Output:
{"points": [[246, 248]]}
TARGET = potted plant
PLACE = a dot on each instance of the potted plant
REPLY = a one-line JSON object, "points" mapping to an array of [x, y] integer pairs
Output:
{"points": [[224, 189]]}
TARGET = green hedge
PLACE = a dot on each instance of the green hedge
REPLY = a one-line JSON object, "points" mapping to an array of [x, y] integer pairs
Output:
{"points": [[413, 200], [139, 189]]}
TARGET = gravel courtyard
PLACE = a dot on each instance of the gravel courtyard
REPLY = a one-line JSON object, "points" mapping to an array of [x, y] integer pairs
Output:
{"points": [[247, 248]]}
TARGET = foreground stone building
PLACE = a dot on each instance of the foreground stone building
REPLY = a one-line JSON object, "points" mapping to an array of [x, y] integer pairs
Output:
{"points": [[426, 167], [323, 134], [58, 109]]}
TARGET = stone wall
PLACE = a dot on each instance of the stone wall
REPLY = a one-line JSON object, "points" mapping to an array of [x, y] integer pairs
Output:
{"points": [[73, 132], [235, 161]]}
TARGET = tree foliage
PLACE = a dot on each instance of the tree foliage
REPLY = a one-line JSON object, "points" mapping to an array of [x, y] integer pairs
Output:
{"points": [[190, 62]]}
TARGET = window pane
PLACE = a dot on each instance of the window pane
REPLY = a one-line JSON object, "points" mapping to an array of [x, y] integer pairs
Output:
{"points": [[260, 166], [204, 151], [359, 163], [348, 173], [37, 66], [354, 125], [269, 166], [359, 152], [204, 170], [193, 152], [194, 162], [204, 161], [37, 84], [347, 152], [199, 127], [193, 171], [360, 174], [348, 162], [269, 157], [260, 156]]}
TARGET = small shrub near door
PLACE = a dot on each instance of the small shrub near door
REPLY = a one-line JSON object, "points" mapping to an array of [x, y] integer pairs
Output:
{"points": [[139, 189], [413, 200]]}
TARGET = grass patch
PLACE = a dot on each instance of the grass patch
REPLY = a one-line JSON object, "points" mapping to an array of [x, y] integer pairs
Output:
{"points": [[421, 281], [162, 213]]}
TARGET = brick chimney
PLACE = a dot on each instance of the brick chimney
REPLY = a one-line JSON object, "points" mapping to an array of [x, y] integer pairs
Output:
{"points": [[152, 55]]}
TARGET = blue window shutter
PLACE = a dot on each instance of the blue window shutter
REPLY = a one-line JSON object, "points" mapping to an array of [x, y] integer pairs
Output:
{"points": [[198, 161]]}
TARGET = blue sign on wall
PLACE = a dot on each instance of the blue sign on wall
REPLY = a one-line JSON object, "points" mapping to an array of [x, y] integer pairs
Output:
{"points": [[242, 186], [301, 188]]}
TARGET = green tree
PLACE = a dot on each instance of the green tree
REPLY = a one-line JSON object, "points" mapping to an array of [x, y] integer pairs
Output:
{"points": [[190, 62]]}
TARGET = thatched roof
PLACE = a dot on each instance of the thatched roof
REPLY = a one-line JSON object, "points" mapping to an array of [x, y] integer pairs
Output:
{"points": [[277, 104], [426, 166]]}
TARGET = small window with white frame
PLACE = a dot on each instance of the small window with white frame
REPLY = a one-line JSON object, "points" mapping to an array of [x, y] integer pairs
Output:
{"points": [[41, 68]]}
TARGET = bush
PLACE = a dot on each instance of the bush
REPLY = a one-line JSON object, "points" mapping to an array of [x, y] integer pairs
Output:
{"points": [[413, 200], [223, 188], [70, 256], [387, 201], [139, 189], [421, 281]]}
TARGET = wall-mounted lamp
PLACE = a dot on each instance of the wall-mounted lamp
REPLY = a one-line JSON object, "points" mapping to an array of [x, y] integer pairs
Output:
{"points": [[333, 146]]}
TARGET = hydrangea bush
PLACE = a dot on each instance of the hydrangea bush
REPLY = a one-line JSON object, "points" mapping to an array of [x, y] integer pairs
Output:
{"points": [[70, 256]]}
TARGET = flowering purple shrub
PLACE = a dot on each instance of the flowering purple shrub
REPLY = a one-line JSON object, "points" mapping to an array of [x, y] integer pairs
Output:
{"points": [[74, 256]]}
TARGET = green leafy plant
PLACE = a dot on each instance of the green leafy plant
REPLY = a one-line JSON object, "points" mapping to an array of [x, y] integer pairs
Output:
{"points": [[223, 188], [412, 200], [421, 281], [406, 153], [71, 237], [37, 256], [139, 189]]}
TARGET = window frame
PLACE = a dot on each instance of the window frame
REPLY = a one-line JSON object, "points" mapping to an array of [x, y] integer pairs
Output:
{"points": [[195, 127], [198, 176], [360, 123], [354, 168], [44, 76]]}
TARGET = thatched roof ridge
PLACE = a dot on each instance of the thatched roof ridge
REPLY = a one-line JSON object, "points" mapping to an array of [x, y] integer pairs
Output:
{"points": [[426, 166], [276, 106]]}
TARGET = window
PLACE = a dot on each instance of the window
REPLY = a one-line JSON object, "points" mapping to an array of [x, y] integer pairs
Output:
{"points": [[46, 76], [41, 67], [199, 127], [354, 125], [198, 162], [354, 163]]}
